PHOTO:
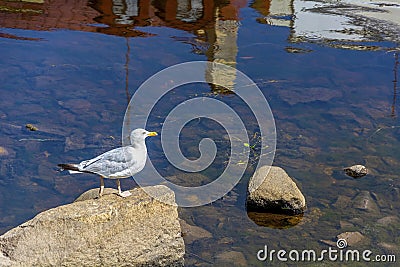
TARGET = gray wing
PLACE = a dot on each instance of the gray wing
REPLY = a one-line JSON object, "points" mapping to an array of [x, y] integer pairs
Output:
{"points": [[109, 163]]}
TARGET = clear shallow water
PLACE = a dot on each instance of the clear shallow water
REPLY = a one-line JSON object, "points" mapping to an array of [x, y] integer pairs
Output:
{"points": [[333, 108]]}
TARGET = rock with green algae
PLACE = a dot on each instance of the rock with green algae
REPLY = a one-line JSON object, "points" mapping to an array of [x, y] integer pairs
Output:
{"points": [[110, 231]]}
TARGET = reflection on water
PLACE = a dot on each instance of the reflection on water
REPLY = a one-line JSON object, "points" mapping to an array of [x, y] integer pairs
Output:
{"points": [[214, 24], [69, 67], [278, 221], [347, 20], [47, 15], [331, 22]]}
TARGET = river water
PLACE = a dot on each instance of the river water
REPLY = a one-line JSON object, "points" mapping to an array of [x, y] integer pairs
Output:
{"points": [[328, 72]]}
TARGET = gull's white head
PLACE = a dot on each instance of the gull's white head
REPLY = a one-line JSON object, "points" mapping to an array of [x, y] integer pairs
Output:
{"points": [[140, 134]]}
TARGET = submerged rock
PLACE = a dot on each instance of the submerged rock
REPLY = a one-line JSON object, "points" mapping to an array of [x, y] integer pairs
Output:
{"points": [[306, 95], [328, 242], [110, 231], [390, 247], [3, 151], [364, 201], [274, 191], [388, 220], [344, 239], [342, 202], [231, 258], [74, 142], [345, 224], [356, 171], [192, 233], [351, 238]]}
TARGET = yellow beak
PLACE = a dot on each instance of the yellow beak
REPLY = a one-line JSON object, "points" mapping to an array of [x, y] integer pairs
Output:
{"points": [[152, 134]]}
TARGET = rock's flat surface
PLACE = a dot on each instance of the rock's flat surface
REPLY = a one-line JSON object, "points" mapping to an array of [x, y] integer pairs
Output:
{"points": [[277, 192], [111, 231]]}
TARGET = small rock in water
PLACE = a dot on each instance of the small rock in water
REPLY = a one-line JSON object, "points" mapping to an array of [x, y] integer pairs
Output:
{"points": [[273, 190], [31, 127], [356, 171]]}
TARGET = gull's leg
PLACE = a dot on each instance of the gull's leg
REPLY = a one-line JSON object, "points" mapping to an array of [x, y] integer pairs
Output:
{"points": [[120, 193], [101, 186]]}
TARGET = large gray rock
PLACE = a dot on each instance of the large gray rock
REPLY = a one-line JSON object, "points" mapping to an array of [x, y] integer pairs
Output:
{"points": [[274, 191], [110, 231]]}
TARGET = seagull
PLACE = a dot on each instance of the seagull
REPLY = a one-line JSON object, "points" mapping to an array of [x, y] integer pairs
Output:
{"points": [[118, 163]]}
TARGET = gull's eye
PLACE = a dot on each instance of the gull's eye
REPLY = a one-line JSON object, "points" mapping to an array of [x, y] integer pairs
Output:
{"points": [[144, 133]]}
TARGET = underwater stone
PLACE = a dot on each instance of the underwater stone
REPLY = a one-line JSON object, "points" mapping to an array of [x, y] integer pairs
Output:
{"points": [[387, 220], [231, 258], [363, 201], [345, 224], [351, 238], [3, 151], [390, 247], [306, 95], [192, 233], [277, 193]]}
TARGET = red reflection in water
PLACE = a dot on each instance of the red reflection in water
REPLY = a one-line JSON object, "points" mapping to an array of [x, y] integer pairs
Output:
{"points": [[119, 17]]}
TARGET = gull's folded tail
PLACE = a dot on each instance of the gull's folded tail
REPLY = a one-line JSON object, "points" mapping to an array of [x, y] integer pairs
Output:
{"points": [[72, 168], [69, 167]]}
